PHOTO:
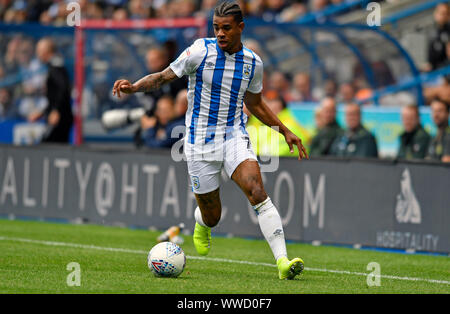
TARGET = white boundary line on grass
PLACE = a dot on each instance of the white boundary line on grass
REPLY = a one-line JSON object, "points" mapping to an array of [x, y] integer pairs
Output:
{"points": [[214, 259]]}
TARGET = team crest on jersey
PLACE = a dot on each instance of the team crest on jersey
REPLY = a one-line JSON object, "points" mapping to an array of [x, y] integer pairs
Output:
{"points": [[195, 182], [246, 71]]}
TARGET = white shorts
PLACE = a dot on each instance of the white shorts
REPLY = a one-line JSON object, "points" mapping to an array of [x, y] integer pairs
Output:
{"points": [[205, 174]]}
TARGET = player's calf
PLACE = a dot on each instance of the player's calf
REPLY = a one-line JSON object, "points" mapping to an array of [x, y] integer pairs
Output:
{"points": [[207, 215], [209, 208]]}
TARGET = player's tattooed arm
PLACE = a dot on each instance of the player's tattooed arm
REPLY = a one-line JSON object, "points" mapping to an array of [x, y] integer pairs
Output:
{"points": [[154, 81], [148, 83]]}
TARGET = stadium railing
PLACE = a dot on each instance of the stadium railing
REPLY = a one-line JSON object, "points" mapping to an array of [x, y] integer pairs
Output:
{"points": [[331, 11], [107, 26], [426, 5], [308, 51]]}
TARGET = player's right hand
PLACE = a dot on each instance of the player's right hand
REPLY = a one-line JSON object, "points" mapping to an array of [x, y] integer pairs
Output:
{"points": [[123, 86]]}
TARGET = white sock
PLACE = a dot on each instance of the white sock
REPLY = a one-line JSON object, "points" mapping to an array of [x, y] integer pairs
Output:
{"points": [[271, 227], [198, 217]]}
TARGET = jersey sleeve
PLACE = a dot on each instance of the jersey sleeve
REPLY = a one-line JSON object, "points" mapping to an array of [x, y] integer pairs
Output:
{"points": [[256, 83], [189, 60]]}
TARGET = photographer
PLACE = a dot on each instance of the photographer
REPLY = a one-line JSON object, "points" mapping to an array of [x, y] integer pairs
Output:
{"points": [[156, 61], [157, 129]]}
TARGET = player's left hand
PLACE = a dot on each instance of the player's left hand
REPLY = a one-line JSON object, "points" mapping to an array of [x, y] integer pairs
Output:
{"points": [[291, 140]]}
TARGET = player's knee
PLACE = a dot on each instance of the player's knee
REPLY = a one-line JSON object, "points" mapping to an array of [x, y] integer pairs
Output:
{"points": [[257, 194]]}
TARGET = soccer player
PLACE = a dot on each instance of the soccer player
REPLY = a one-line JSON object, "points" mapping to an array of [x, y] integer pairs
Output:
{"points": [[223, 74]]}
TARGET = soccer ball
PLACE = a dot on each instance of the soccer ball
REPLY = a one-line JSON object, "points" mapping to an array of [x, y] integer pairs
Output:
{"points": [[166, 259]]}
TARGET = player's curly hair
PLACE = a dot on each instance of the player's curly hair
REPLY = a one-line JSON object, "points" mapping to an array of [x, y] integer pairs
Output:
{"points": [[229, 8]]}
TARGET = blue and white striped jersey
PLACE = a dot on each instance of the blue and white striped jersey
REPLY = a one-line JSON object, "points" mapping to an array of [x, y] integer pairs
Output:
{"points": [[217, 84]]}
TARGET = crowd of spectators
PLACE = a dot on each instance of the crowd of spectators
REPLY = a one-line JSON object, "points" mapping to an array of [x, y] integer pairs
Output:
{"points": [[356, 141], [171, 96], [438, 53], [54, 11], [292, 87], [280, 88], [18, 60]]}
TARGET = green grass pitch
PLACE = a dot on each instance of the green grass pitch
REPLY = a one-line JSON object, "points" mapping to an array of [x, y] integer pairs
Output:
{"points": [[34, 258]]}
